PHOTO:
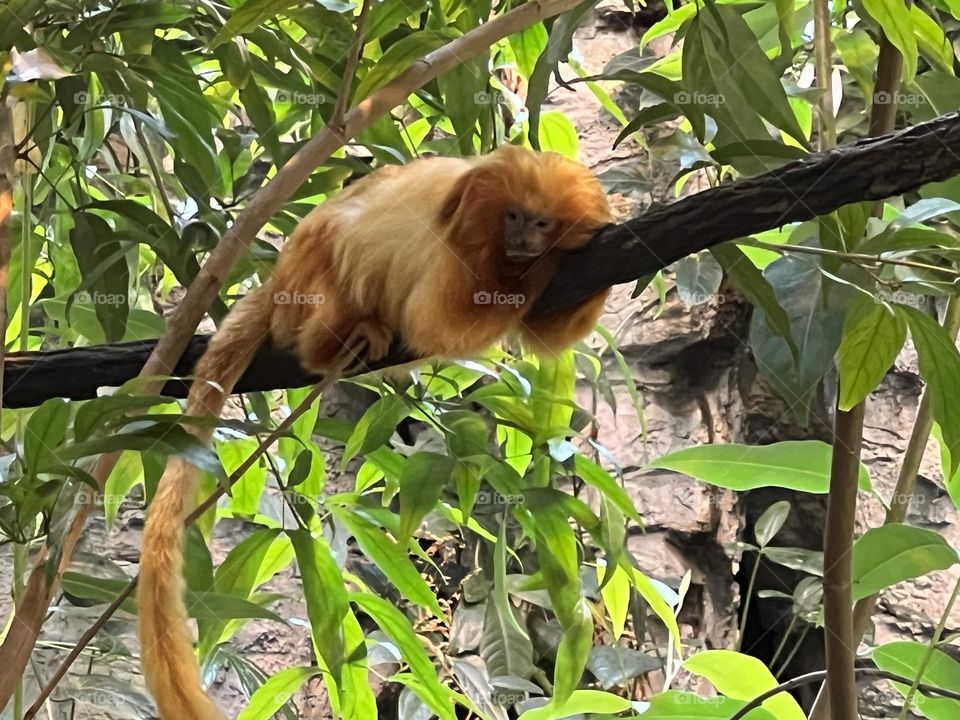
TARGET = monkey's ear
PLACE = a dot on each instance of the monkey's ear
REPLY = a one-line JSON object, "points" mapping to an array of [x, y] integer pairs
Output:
{"points": [[455, 198]]}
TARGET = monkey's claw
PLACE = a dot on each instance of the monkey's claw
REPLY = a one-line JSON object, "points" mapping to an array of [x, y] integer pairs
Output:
{"points": [[368, 342]]}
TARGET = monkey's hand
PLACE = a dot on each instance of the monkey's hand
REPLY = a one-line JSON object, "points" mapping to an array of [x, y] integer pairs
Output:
{"points": [[369, 341]]}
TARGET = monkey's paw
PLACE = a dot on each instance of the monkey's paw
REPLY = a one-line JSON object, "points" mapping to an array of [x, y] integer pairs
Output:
{"points": [[369, 342]]}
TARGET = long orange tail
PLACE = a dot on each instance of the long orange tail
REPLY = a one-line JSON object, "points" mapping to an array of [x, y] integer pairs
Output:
{"points": [[169, 663]]}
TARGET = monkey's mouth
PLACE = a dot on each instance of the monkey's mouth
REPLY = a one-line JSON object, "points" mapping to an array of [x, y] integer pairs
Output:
{"points": [[523, 252]]}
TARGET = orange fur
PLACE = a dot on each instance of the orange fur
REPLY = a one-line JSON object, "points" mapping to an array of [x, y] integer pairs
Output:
{"points": [[414, 254]]}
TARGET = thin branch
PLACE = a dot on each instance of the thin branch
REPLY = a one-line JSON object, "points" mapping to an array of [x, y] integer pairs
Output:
{"points": [[7, 178], [852, 257], [337, 120], [929, 654], [78, 648], [821, 675], [823, 54]]}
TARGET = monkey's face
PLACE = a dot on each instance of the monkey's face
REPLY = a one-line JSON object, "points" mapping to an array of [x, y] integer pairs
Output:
{"points": [[525, 234]]}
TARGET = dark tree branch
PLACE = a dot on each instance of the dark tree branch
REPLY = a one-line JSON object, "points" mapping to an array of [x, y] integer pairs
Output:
{"points": [[871, 169]]}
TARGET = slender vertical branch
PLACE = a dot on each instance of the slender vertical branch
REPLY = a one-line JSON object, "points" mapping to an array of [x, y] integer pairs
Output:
{"points": [[823, 55], [837, 563], [928, 656], [8, 165], [7, 178], [350, 69], [838, 696]]}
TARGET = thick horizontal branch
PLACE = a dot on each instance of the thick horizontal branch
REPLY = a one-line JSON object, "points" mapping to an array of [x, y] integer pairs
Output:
{"points": [[871, 169]]}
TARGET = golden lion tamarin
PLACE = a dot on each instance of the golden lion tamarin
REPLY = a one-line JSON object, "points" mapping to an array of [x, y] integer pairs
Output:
{"points": [[443, 255]]}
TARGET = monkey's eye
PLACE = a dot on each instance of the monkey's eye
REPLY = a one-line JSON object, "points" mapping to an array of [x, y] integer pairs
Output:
{"points": [[512, 215], [543, 225]]}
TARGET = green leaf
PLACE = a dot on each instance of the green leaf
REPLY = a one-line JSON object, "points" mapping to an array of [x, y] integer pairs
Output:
{"points": [[15, 17], [559, 135], [248, 565], [743, 677], [375, 427], [750, 280], [897, 23], [889, 554], [326, 598], [660, 607], [579, 703], [572, 655], [422, 480], [250, 15], [467, 433], [677, 705], [794, 464], [698, 278], [98, 590], [616, 598], [276, 692], [816, 324], [528, 45], [940, 368], [43, 434], [204, 606], [931, 39], [554, 385], [725, 66], [872, 337], [395, 624], [94, 414], [399, 57], [559, 47], [220, 608], [942, 671], [148, 436], [387, 16], [595, 476], [505, 646], [103, 263], [392, 560], [769, 524]]}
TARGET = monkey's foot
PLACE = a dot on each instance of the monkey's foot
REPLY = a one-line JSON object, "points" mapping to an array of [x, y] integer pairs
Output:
{"points": [[368, 342]]}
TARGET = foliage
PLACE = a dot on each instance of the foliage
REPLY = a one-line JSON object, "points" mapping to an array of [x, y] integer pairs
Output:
{"points": [[495, 574]]}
